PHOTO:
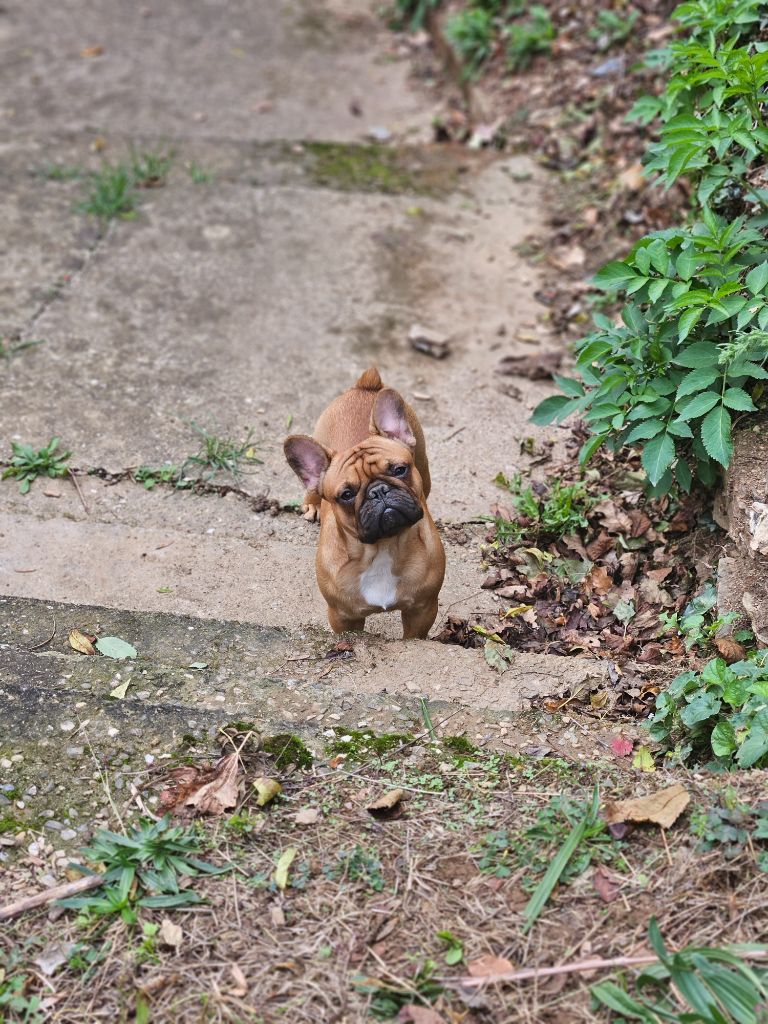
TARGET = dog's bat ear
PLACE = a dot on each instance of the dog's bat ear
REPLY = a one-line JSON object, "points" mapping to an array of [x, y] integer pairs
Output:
{"points": [[307, 458], [389, 418]]}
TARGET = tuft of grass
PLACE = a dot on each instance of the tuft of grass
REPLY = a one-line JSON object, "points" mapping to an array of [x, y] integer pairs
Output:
{"points": [[199, 175], [149, 169], [471, 33], [7, 349], [27, 463], [221, 454], [151, 476], [51, 171], [111, 194], [529, 38], [113, 190], [698, 984]]}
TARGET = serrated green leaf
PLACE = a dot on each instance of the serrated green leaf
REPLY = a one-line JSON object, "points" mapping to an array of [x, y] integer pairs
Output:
{"points": [[693, 407], [696, 380], [737, 398], [687, 322], [686, 263], [546, 411], [614, 275], [679, 428], [657, 456], [716, 435], [684, 475], [589, 448], [757, 278], [699, 354], [647, 429]]}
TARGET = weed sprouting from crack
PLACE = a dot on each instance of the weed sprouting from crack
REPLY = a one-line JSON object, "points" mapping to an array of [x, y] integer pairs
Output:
{"points": [[113, 189], [28, 463], [220, 454]]}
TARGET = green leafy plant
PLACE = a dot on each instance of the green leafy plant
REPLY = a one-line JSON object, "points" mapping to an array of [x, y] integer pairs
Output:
{"points": [[61, 172], [561, 510], [143, 869], [221, 454], [15, 1001], [720, 713], [454, 952], [387, 997], [688, 354], [151, 476], [358, 865], [699, 623], [412, 14], [697, 985], [27, 464], [502, 852], [730, 827], [611, 27], [528, 38], [471, 33]]}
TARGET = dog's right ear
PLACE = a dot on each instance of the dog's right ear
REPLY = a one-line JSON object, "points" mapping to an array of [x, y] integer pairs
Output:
{"points": [[307, 458]]}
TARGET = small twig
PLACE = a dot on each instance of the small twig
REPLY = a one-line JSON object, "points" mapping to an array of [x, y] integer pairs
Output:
{"points": [[42, 643], [74, 480], [451, 436], [531, 973], [59, 892]]}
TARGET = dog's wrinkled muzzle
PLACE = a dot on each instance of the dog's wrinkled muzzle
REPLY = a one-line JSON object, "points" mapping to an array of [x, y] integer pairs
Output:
{"points": [[385, 511]]}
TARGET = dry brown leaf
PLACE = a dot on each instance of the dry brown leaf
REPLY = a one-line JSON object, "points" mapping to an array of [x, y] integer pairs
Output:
{"points": [[81, 642], [278, 916], [241, 984], [605, 885], [661, 808], [598, 580], [614, 519], [412, 1013], [387, 805], [170, 934], [92, 51], [489, 964], [730, 649], [650, 591], [307, 816], [600, 546], [219, 793]]}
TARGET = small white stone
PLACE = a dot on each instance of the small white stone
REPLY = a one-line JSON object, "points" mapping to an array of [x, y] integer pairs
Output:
{"points": [[66, 726]]}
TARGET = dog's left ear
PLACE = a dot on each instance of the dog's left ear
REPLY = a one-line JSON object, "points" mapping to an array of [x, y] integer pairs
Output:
{"points": [[388, 417]]}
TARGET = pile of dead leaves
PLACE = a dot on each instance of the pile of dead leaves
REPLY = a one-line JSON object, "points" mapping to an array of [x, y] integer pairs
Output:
{"points": [[604, 591]]}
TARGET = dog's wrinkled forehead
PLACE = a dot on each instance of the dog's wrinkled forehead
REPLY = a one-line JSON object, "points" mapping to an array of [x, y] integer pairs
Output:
{"points": [[372, 457]]}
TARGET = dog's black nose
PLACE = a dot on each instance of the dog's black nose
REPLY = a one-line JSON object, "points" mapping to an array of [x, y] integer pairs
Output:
{"points": [[379, 489]]}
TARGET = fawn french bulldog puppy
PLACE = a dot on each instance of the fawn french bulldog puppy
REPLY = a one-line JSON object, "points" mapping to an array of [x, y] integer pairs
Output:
{"points": [[366, 476]]}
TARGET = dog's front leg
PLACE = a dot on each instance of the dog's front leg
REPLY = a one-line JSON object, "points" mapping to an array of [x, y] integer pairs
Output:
{"points": [[417, 622]]}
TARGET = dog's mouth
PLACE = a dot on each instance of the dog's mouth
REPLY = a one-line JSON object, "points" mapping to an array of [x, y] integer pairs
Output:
{"points": [[386, 509]]}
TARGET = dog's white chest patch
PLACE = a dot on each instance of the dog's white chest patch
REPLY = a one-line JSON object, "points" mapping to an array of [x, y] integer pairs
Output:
{"points": [[378, 585]]}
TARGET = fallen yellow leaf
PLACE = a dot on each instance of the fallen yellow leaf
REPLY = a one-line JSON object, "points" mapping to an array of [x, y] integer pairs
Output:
{"points": [[80, 642]]}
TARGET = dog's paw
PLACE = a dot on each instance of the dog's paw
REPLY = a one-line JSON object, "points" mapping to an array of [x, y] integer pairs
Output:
{"points": [[311, 513]]}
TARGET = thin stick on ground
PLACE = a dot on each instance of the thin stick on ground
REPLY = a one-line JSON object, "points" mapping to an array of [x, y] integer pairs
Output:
{"points": [[578, 966], [80, 495], [59, 892]]}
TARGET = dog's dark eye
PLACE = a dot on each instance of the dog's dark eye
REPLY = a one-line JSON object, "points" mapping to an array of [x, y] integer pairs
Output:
{"points": [[398, 471], [347, 495]]}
